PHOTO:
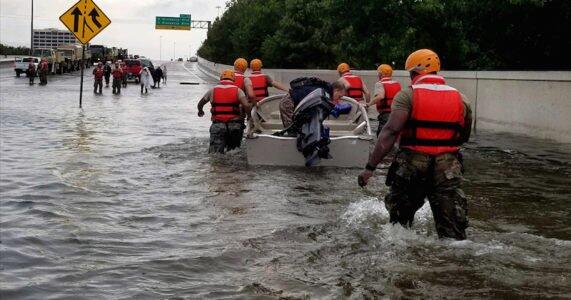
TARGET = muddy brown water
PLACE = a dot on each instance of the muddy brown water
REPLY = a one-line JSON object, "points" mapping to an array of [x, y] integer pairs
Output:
{"points": [[121, 201]]}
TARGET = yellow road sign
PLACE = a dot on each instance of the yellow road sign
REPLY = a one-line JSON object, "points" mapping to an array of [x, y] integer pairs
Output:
{"points": [[85, 20]]}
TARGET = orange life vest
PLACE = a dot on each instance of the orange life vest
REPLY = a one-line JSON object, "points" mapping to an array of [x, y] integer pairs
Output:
{"points": [[437, 117], [225, 103], [239, 80], [355, 89], [391, 90], [260, 85]]}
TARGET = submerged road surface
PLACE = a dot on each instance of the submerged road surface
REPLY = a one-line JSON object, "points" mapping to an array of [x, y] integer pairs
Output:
{"points": [[120, 200]]}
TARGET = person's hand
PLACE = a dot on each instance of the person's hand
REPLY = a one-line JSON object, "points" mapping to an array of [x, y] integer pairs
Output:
{"points": [[201, 113], [364, 177]]}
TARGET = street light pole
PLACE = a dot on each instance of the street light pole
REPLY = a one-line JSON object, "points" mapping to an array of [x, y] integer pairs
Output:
{"points": [[161, 48], [32, 31], [174, 51]]}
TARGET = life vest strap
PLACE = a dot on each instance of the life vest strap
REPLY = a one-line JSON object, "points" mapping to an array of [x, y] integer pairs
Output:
{"points": [[414, 125]]}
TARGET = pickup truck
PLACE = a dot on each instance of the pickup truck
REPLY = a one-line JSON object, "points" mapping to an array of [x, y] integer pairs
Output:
{"points": [[21, 64], [134, 67]]}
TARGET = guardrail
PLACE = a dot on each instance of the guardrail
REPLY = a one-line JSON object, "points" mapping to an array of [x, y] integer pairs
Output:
{"points": [[532, 103]]}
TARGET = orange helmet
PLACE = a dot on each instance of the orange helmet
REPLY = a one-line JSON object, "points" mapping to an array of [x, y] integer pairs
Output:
{"points": [[385, 70], [256, 65], [423, 61], [227, 74], [240, 65], [343, 68]]}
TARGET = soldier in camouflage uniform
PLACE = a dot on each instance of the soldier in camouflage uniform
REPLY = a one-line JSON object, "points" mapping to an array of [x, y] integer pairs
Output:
{"points": [[227, 126], [432, 120]]}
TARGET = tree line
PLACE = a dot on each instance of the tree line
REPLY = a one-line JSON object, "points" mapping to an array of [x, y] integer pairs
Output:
{"points": [[10, 50], [467, 34]]}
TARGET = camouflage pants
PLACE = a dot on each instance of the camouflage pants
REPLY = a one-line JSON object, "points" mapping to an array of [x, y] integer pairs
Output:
{"points": [[383, 119], [225, 136], [287, 108], [413, 177]]}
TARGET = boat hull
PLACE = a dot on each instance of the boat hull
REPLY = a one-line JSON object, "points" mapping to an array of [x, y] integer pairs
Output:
{"points": [[346, 151]]}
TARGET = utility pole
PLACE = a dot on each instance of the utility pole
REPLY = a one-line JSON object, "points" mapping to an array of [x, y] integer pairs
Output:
{"points": [[174, 51], [32, 31], [219, 7], [161, 48]]}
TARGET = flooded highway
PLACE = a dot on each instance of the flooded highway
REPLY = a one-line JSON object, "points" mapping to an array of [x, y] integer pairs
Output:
{"points": [[120, 200]]}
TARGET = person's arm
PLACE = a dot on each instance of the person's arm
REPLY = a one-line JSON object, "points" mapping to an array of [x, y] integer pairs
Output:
{"points": [[279, 86], [467, 130], [366, 93], [379, 94], [205, 99], [250, 90], [385, 143], [245, 103]]}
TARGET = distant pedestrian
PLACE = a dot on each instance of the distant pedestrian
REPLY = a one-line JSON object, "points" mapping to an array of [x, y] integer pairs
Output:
{"points": [[125, 74], [117, 79], [31, 72], [43, 71], [108, 71], [158, 77], [164, 67], [98, 78], [145, 80]]}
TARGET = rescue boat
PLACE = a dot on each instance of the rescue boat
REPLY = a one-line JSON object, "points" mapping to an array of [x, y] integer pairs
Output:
{"points": [[350, 135]]}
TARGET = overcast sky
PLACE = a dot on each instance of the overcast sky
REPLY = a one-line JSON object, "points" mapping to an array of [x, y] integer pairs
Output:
{"points": [[132, 27]]}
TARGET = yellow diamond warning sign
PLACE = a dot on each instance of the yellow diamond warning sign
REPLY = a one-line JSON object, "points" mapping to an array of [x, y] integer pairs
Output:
{"points": [[85, 20]]}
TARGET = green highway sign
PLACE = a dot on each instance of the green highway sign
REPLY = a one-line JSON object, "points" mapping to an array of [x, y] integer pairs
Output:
{"points": [[173, 23]]}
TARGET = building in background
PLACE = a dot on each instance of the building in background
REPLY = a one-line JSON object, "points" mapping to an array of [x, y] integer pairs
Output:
{"points": [[52, 38]]}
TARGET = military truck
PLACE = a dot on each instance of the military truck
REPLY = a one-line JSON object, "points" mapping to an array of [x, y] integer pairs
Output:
{"points": [[54, 58]]}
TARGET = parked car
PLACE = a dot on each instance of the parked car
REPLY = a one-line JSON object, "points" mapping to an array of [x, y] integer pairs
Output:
{"points": [[21, 64], [134, 67], [193, 59]]}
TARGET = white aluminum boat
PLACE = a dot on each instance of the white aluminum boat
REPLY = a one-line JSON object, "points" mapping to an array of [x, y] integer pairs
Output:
{"points": [[351, 138]]}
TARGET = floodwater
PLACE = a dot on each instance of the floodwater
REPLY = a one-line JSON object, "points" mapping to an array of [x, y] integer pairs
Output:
{"points": [[121, 201]]}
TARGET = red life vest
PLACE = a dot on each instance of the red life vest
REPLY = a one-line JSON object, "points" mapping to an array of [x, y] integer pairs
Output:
{"points": [[117, 73], [225, 103], [355, 89], [391, 90], [260, 85], [98, 73], [437, 117], [239, 80]]}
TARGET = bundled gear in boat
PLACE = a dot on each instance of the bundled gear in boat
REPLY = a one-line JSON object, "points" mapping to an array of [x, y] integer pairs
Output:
{"points": [[302, 86], [341, 109], [310, 112]]}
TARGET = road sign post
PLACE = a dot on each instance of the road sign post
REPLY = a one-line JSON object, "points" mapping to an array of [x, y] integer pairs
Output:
{"points": [[85, 20]]}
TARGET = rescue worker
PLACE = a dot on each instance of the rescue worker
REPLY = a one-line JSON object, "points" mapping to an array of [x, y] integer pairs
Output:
{"points": [[433, 121], [31, 72], [98, 78], [145, 79], [107, 69], [164, 74], [257, 85], [385, 91], [117, 78], [227, 125], [125, 75], [356, 87], [158, 75], [240, 67], [43, 68]]}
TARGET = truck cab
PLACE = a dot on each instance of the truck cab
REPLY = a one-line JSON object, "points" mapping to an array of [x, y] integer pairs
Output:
{"points": [[21, 64]]}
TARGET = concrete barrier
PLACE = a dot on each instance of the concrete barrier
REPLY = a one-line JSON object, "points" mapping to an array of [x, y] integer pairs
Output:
{"points": [[532, 103]]}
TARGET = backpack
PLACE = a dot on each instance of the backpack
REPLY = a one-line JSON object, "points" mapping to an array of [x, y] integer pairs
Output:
{"points": [[302, 86]]}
